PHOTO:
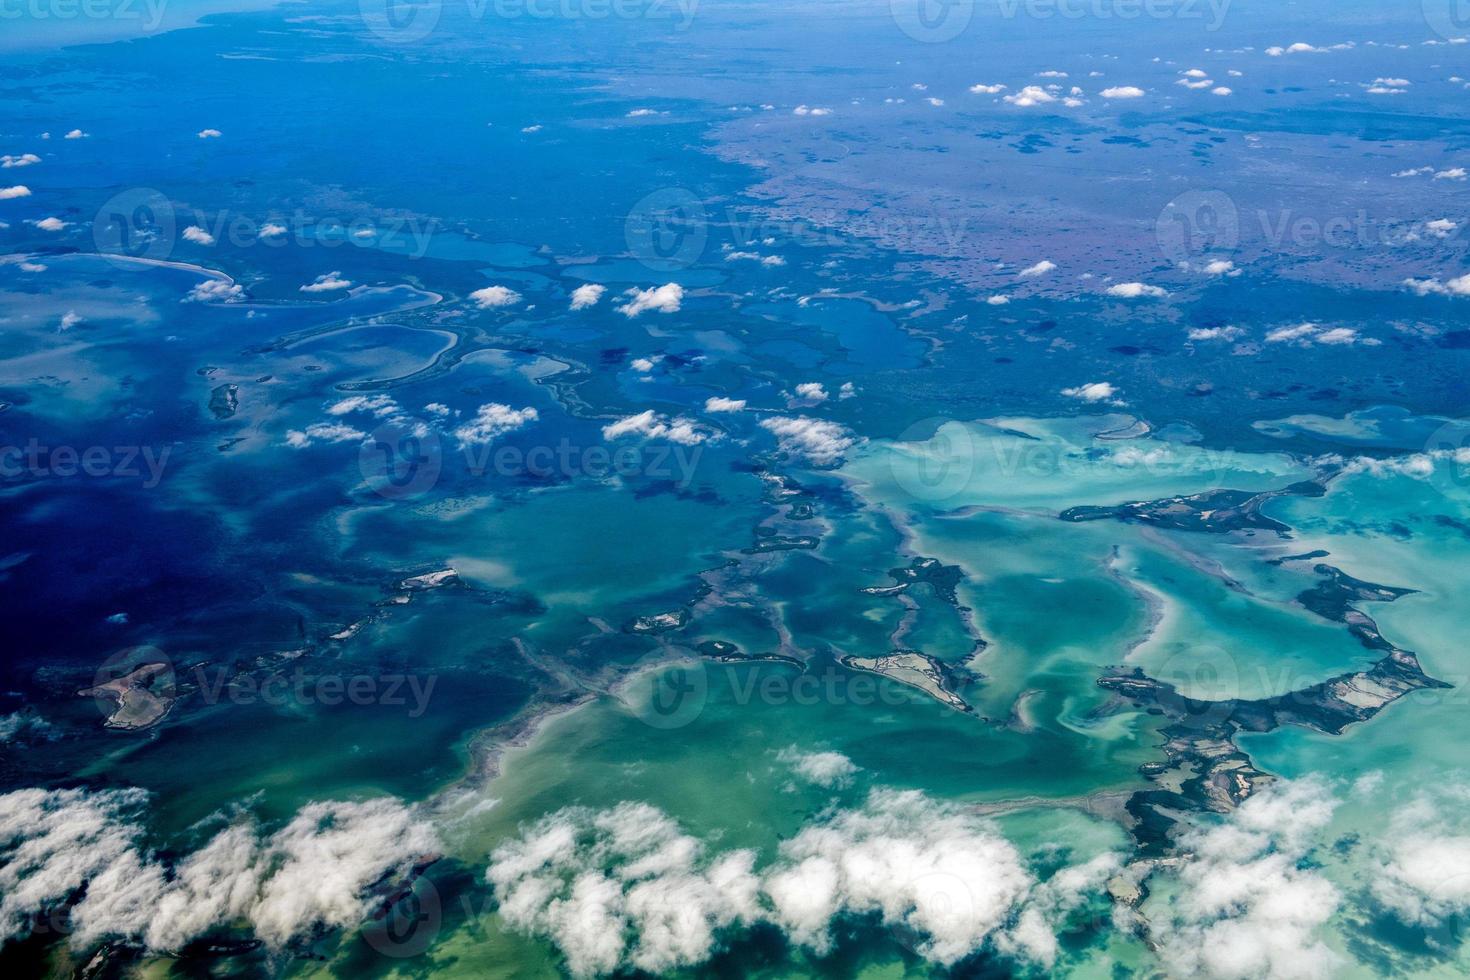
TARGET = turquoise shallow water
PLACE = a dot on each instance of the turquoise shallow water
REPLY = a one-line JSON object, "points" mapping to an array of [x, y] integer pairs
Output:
{"points": [[427, 531]]}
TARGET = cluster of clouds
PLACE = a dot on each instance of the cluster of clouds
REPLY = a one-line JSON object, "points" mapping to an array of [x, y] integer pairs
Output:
{"points": [[1246, 903], [1448, 173], [816, 440], [627, 888], [651, 425], [1301, 47], [1250, 896], [490, 421], [1307, 334], [1197, 79], [1029, 96], [317, 872], [1424, 874], [1459, 286]]}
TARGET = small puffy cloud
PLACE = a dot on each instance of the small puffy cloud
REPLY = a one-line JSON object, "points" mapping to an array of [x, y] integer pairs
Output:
{"points": [[1039, 269], [494, 420], [1300, 331], [1451, 173], [1031, 95], [1122, 92], [76, 134], [1337, 336], [70, 319], [1220, 267], [495, 297], [18, 160], [997, 300], [1094, 391], [535, 128], [1195, 73], [11, 193], [327, 283], [651, 425], [50, 224], [827, 769], [1216, 333], [272, 229], [216, 291], [1222, 90], [811, 391], [803, 110], [210, 134], [587, 295], [197, 235], [638, 113], [721, 404], [818, 440], [660, 299], [1441, 227], [1135, 290], [987, 89]]}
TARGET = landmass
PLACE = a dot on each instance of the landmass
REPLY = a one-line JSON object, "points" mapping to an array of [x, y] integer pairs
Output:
{"points": [[224, 401], [915, 670], [1216, 511], [138, 705]]}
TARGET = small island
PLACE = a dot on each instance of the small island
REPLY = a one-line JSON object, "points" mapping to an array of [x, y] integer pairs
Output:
{"points": [[914, 669], [140, 697]]}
